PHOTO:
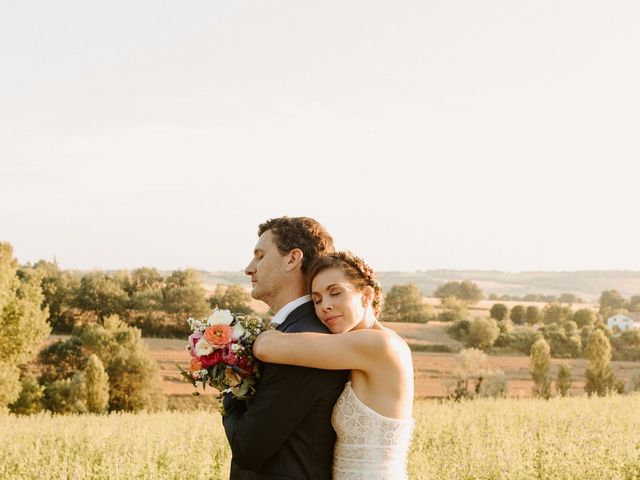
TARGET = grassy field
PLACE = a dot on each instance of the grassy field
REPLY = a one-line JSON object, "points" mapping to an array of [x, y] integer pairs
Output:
{"points": [[570, 438]]}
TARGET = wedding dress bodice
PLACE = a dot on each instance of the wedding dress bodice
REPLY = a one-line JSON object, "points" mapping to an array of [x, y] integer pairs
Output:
{"points": [[369, 445]]}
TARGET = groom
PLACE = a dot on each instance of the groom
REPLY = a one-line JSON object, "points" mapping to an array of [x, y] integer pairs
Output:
{"points": [[285, 431]]}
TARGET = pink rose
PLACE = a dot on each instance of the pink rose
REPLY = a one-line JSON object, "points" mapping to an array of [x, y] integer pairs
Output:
{"points": [[193, 339]]}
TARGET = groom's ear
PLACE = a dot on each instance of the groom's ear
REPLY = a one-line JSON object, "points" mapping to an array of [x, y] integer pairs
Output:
{"points": [[294, 259]]}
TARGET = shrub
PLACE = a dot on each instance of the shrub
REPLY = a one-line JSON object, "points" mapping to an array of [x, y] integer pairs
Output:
{"points": [[499, 311], [518, 315], [97, 385], [539, 364], [563, 380], [600, 379], [404, 303], [460, 329], [30, 399], [67, 395], [483, 332], [452, 310]]}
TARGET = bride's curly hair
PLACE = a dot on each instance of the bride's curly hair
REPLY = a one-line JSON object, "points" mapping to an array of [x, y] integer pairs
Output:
{"points": [[356, 270]]}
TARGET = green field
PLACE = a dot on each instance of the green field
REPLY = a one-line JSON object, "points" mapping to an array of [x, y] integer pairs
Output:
{"points": [[571, 438]]}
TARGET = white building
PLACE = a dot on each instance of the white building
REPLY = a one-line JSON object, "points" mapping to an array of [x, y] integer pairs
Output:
{"points": [[624, 321]]}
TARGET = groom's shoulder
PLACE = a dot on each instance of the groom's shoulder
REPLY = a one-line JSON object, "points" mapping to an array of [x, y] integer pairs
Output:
{"points": [[304, 319]]}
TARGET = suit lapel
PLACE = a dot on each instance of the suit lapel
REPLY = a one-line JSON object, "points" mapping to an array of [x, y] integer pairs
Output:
{"points": [[304, 309]]}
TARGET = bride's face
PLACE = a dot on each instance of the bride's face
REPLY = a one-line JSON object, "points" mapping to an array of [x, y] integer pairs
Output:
{"points": [[339, 304]]}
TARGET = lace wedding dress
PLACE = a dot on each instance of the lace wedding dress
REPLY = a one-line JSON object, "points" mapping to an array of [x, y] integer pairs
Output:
{"points": [[369, 445]]}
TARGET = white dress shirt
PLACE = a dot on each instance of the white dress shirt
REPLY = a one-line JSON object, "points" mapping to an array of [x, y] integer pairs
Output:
{"points": [[284, 312]]}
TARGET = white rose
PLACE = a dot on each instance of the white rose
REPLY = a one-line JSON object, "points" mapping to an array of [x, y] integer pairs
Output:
{"points": [[238, 331], [203, 347], [218, 317]]}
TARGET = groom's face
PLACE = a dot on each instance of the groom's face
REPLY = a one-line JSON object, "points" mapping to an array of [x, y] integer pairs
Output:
{"points": [[267, 268]]}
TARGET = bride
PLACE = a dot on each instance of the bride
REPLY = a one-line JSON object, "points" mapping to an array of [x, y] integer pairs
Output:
{"points": [[372, 417]]}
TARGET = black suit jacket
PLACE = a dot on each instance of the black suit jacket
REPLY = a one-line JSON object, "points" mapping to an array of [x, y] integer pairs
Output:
{"points": [[285, 431]]}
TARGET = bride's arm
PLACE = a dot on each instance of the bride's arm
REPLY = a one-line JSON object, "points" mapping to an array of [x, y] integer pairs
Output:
{"points": [[356, 350]]}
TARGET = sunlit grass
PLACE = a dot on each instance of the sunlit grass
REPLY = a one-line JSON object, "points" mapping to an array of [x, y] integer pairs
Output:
{"points": [[574, 438]]}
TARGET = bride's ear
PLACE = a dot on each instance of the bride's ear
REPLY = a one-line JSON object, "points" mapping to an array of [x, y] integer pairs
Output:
{"points": [[367, 296]]}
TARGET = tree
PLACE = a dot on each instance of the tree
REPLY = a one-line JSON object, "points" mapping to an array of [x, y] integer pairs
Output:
{"points": [[518, 315], [184, 294], [584, 317], [483, 333], [611, 302], [134, 379], [102, 295], [533, 315], [452, 310], [97, 385], [563, 380], [599, 376], [539, 364], [404, 303], [146, 286], [466, 291], [30, 399], [23, 322], [634, 304], [233, 298], [570, 298], [499, 311], [556, 313], [60, 291], [61, 360], [67, 395]]}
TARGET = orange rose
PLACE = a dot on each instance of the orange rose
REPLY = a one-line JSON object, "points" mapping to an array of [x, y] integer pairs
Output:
{"points": [[195, 364], [218, 335]]}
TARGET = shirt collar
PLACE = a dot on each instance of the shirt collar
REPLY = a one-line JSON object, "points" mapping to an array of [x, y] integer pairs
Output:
{"points": [[284, 312]]}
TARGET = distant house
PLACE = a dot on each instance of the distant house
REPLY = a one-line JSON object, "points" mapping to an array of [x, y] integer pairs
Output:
{"points": [[624, 321]]}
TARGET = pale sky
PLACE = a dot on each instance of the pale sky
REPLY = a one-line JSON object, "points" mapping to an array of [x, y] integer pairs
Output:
{"points": [[501, 135]]}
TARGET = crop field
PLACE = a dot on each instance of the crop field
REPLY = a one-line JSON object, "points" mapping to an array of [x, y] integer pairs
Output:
{"points": [[434, 372], [563, 438]]}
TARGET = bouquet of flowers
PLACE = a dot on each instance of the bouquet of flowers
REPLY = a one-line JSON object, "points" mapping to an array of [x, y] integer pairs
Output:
{"points": [[221, 355]]}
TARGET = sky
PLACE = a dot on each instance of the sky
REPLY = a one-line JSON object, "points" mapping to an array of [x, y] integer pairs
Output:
{"points": [[498, 135]]}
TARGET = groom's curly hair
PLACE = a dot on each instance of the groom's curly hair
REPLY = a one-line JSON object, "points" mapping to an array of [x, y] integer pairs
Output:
{"points": [[304, 233]]}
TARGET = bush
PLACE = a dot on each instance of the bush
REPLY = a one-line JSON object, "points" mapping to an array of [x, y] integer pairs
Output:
{"points": [[404, 303], [499, 311], [563, 380], [539, 364], [600, 379], [460, 329], [556, 313], [626, 346], [483, 332], [634, 383], [518, 315], [563, 344], [97, 385], [134, 380], [61, 360], [520, 340], [494, 384], [66, 396], [9, 384], [465, 291], [584, 317], [30, 399], [533, 315], [452, 310]]}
